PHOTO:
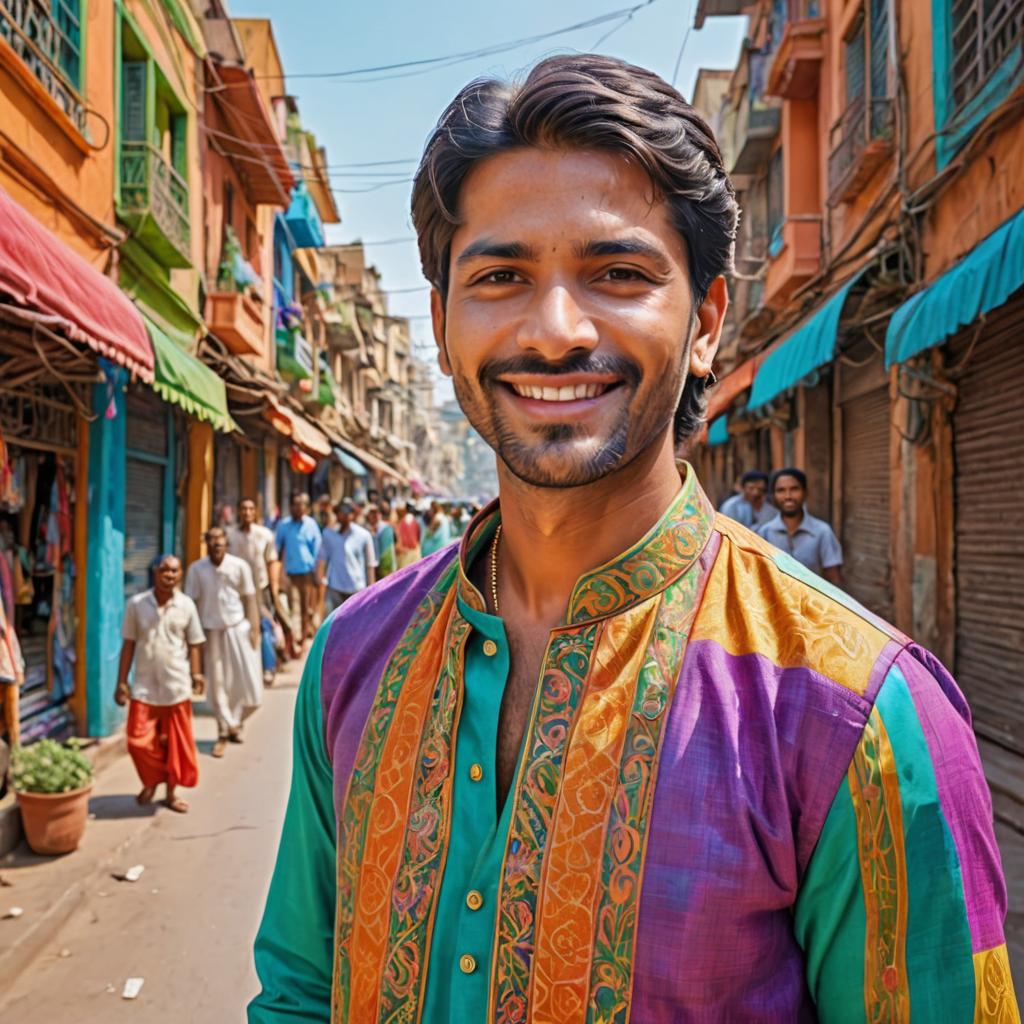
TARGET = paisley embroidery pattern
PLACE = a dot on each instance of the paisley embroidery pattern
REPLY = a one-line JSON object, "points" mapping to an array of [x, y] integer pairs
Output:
{"points": [[426, 835], [611, 978], [536, 793], [874, 788], [994, 1001], [355, 817]]}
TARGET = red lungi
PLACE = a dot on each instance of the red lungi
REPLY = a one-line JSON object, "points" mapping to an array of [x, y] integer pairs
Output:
{"points": [[161, 743]]}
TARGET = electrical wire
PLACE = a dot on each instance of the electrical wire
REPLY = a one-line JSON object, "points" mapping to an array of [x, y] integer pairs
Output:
{"points": [[682, 46]]}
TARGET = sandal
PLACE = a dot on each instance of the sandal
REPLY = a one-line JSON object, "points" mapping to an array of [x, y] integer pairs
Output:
{"points": [[176, 804]]}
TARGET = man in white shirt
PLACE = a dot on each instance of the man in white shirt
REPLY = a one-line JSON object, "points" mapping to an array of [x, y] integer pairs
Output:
{"points": [[255, 543], [222, 587], [163, 636]]}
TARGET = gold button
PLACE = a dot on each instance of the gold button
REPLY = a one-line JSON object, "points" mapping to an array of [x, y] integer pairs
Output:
{"points": [[476, 772], [474, 900], [490, 648], [467, 963]]}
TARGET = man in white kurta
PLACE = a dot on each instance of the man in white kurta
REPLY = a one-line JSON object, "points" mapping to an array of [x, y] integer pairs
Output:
{"points": [[222, 587]]}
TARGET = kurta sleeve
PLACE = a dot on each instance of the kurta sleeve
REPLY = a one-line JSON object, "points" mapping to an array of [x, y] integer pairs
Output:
{"points": [[295, 944], [900, 913]]}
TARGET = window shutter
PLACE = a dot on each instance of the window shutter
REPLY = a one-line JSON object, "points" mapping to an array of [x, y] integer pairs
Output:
{"points": [[879, 49], [133, 101], [856, 58], [179, 144]]}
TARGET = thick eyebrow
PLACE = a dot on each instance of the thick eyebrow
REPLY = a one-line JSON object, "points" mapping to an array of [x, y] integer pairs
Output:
{"points": [[623, 247], [497, 250]]}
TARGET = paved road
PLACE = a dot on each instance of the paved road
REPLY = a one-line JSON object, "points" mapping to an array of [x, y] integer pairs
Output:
{"points": [[187, 925]]}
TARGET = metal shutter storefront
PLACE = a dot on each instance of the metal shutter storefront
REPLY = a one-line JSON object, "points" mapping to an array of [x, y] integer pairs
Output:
{"points": [[144, 488], [988, 446], [865, 527]]}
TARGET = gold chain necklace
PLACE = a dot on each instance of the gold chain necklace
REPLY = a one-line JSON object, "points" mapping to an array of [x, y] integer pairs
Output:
{"points": [[494, 568]]}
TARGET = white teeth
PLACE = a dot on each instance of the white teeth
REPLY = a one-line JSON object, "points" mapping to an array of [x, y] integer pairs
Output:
{"points": [[567, 393]]}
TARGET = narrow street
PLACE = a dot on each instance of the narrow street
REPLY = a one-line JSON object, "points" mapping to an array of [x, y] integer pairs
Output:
{"points": [[186, 926]]}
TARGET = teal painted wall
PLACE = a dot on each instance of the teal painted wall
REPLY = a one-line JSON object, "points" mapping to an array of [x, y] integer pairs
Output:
{"points": [[105, 565]]}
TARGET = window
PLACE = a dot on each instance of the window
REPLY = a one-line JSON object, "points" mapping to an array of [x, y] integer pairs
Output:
{"points": [[984, 34], [776, 203]]}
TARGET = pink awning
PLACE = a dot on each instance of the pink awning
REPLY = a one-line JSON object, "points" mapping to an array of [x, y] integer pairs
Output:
{"points": [[61, 291]]}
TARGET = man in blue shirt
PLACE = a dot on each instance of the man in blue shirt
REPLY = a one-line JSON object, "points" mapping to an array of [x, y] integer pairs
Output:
{"points": [[298, 543], [348, 557], [750, 507], [794, 530]]}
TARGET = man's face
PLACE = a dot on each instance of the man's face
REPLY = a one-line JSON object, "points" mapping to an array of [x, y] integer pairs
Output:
{"points": [[168, 574], [299, 507], [344, 519], [789, 495], [754, 491], [216, 545], [373, 516], [247, 513], [569, 315]]}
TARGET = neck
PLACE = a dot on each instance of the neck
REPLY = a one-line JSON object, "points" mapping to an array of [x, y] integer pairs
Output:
{"points": [[246, 527], [551, 537], [793, 519], [756, 503], [216, 561], [162, 596]]}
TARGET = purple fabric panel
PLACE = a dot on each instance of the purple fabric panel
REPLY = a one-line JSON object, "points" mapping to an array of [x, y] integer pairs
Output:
{"points": [[963, 791], [363, 634], [880, 669], [752, 759]]}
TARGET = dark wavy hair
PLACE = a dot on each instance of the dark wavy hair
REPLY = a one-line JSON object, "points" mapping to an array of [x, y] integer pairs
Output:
{"points": [[586, 101]]}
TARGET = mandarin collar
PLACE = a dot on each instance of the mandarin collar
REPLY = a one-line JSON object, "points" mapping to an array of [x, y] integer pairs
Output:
{"points": [[643, 570]]}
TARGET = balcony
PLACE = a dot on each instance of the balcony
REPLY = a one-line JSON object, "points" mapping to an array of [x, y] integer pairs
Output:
{"points": [[756, 128], [237, 320], [862, 140], [45, 35], [795, 258], [154, 203], [794, 71]]}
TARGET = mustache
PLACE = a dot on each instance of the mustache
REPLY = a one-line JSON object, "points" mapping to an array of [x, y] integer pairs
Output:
{"points": [[584, 362]]}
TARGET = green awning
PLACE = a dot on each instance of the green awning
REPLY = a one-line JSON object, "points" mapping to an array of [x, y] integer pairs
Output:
{"points": [[350, 462], [984, 279], [186, 382], [718, 431], [810, 347]]}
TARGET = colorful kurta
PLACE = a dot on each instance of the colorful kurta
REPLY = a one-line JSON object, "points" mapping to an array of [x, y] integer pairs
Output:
{"points": [[740, 797]]}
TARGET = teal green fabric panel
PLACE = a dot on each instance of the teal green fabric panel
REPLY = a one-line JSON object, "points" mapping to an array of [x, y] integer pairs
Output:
{"points": [[478, 838], [830, 921], [350, 462], [718, 432], [295, 944], [940, 969], [104, 587], [810, 347], [185, 381], [984, 279]]}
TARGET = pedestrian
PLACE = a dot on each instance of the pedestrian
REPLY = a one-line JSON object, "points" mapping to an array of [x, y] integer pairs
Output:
{"points": [[383, 540], [298, 544], [438, 530], [348, 560], [254, 543], [751, 506], [163, 639], [810, 541], [222, 587], [407, 536], [614, 759]]}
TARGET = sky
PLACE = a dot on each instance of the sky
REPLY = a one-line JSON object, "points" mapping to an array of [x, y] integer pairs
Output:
{"points": [[361, 122]]}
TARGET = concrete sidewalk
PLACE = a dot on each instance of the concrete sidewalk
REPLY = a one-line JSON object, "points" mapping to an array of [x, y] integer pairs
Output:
{"points": [[187, 925]]}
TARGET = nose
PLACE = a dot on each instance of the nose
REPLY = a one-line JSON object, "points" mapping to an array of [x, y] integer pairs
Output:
{"points": [[556, 325]]}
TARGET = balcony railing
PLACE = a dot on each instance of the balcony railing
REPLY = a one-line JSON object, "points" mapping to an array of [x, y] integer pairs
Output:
{"points": [[985, 33], [46, 36], [152, 191], [861, 139]]}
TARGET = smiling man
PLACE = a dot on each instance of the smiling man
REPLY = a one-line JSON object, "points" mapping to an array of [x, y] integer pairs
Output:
{"points": [[617, 758]]}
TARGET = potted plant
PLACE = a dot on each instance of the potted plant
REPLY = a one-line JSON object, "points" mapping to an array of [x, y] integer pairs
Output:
{"points": [[53, 782]]}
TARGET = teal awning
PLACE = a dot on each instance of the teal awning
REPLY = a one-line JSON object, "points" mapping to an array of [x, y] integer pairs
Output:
{"points": [[350, 462], [718, 431], [808, 348], [984, 279], [186, 382]]}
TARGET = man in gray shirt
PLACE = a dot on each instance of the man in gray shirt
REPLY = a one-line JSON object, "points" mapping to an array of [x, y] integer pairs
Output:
{"points": [[348, 557], [794, 530], [751, 506]]}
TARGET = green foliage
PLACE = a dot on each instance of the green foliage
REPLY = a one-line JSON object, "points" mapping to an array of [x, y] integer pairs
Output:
{"points": [[50, 767]]}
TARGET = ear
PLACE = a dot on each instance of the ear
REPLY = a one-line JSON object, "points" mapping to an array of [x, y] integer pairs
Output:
{"points": [[710, 321], [437, 321]]}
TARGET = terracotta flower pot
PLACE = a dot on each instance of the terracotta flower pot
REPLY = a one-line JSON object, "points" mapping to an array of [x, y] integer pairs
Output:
{"points": [[55, 822]]}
